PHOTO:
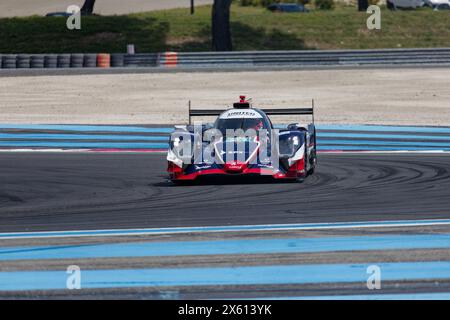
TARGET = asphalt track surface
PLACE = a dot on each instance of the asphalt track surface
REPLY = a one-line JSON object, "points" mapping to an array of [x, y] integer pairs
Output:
{"points": [[221, 68], [73, 191]]}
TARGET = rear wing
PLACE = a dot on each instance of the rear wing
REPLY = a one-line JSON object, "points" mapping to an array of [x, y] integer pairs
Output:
{"points": [[277, 112]]}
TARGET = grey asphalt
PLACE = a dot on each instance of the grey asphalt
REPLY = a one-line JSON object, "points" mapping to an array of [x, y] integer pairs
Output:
{"points": [[64, 191], [217, 68]]}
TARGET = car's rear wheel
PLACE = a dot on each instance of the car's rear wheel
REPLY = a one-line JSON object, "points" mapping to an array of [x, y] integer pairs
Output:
{"points": [[305, 163], [313, 159], [312, 163]]}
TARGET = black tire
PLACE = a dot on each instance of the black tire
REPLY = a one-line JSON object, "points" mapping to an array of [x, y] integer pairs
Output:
{"points": [[23, 65], [76, 60], [306, 157], [130, 60], [313, 160], [9, 61], [50, 61], [117, 60], [90, 60], [64, 61], [23, 61], [37, 61], [311, 171], [9, 66], [313, 163], [141, 60]]}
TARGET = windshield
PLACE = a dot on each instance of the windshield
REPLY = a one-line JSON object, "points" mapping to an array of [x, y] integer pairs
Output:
{"points": [[243, 123]]}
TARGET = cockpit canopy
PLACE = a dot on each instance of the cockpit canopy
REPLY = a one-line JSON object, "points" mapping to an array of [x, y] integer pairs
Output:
{"points": [[235, 119]]}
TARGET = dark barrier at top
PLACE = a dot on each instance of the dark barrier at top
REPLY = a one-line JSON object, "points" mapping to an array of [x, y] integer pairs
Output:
{"points": [[414, 57]]}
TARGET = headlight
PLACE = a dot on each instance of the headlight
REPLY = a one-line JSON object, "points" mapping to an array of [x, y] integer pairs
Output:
{"points": [[181, 144]]}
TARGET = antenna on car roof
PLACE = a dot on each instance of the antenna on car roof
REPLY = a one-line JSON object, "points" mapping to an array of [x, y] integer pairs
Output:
{"points": [[189, 112]]}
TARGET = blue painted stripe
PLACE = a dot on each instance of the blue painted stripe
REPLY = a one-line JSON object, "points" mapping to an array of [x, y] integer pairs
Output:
{"points": [[321, 136], [261, 275], [294, 226], [56, 136], [103, 145], [324, 141], [382, 143], [379, 136], [374, 296], [224, 247], [92, 128], [321, 147]]}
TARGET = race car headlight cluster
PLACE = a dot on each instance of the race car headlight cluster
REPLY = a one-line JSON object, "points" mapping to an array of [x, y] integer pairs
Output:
{"points": [[295, 141], [185, 147], [181, 145], [176, 142], [289, 145]]}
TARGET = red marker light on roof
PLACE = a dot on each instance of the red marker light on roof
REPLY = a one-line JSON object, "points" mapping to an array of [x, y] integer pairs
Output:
{"points": [[242, 104]]}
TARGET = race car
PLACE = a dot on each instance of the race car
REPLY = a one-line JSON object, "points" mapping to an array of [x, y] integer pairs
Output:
{"points": [[243, 142]]}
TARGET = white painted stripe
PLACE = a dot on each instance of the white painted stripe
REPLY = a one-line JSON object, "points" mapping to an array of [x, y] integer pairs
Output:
{"points": [[211, 229]]}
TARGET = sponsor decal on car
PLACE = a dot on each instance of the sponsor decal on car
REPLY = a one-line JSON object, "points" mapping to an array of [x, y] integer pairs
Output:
{"points": [[244, 114]]}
